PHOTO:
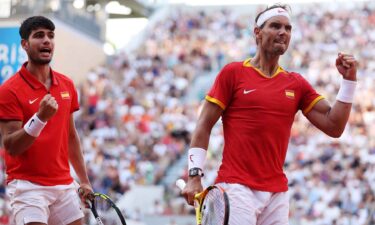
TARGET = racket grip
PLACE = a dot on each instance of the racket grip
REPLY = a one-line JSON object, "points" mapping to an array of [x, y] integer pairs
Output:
{"points": [[198, 215]]}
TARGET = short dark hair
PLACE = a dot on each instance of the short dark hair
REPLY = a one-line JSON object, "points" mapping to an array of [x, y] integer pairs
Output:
{"points": [[33, 23], [278, 5]]}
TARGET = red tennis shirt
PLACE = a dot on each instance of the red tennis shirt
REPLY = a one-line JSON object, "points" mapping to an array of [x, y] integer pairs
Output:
{"points": [[46, 162], [257, 120]]}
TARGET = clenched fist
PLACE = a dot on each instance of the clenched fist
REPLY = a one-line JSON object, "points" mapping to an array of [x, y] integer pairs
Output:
{"points": [[47, 108], [347, 65]]}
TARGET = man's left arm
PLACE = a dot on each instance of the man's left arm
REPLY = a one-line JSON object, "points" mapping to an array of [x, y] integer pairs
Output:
{"points": [[77, 161], [332, 120]]}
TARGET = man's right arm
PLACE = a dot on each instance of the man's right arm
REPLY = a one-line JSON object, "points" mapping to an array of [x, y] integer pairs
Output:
{"points": [[207, 119], [200, 139], [14, 137], [17, 139]]}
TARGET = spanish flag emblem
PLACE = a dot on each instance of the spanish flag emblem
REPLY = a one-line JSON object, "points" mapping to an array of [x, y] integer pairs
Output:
{"points": [[65, 95], [289, 94]]}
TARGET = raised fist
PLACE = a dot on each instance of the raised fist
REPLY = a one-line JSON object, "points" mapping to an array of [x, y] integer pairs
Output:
{"points": [[47, 108], [347, 65]]}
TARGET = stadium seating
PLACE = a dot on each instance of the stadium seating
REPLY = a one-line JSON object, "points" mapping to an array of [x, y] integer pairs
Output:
{"points": [[138, 112]]}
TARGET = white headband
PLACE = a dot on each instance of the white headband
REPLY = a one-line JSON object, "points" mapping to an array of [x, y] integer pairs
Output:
{"points": [[271, 13]]}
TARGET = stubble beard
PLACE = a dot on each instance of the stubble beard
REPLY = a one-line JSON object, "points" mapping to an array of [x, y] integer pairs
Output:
{"points": [[280, 51], [277, 51], [39, 61]]}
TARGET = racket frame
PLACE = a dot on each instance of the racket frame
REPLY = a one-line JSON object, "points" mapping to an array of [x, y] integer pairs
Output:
{"points": [[91, 203], [199, 200]]}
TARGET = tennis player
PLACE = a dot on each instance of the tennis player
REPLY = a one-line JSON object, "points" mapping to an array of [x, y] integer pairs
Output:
{"points": [[39, 135], [257, 100]]}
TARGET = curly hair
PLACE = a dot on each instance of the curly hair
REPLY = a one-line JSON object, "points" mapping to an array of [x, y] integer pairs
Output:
{"points": [[33, 23]]}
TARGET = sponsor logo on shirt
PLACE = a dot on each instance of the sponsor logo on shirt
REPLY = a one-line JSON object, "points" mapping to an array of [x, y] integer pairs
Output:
{"points": [[32, 101], [245, 92]]}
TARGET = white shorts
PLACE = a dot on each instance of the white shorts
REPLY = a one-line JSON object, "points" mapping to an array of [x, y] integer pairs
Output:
{"points": [[57, 205], [253, 207]]}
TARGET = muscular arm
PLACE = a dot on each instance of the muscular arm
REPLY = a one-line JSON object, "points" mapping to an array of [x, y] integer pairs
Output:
{"points": [[330, 120], [75, 153], [207, 119], [77, 161], [14, 138], [201, 136]]}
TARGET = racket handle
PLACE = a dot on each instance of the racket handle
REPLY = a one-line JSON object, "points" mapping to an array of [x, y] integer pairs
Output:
{"points": [[180, 183], [198, 215], [89, 203]]}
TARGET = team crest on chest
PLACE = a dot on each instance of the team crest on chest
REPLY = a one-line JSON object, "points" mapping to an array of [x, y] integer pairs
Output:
{"points": [[65, 95], [289, 94]]}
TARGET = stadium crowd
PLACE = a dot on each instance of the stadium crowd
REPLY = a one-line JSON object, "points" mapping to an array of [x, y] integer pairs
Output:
{"points": [[135, 119]]}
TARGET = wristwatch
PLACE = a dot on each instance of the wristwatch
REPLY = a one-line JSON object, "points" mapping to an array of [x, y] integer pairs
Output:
{"points": [[195, 172]]}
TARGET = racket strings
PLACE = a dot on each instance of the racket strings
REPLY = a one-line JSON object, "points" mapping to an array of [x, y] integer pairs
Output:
{"points": [[106, 212], [213, 208]]}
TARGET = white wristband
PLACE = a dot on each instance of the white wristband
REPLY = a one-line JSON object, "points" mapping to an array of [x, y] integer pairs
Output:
{"points": [[196, 158], [347, 90], [34, 126]]}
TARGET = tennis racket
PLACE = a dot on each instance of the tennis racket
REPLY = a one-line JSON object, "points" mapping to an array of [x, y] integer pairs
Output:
{"points": [[211, 205], [105, 210]]}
